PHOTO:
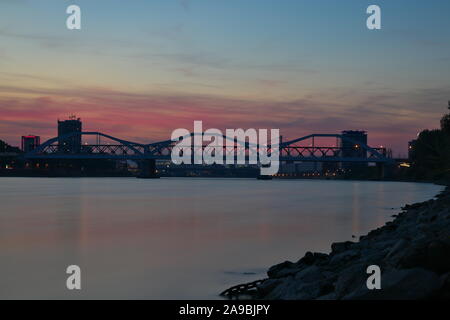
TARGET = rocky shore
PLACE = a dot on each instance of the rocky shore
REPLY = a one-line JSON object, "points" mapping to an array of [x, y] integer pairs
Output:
{"points": [[412, 251]]}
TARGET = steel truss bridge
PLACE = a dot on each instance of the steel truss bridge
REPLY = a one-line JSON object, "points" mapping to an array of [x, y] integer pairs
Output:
{"points": [[303, 149]]}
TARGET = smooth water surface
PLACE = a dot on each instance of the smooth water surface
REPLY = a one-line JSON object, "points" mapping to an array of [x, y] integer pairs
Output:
{"points": [[176, 238]]}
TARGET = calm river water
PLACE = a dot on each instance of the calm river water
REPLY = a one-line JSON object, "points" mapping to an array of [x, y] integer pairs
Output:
{"points": [[176, 238]]}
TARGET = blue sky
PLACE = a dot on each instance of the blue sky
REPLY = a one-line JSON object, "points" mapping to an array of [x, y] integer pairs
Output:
{"points": [[301, 66]]}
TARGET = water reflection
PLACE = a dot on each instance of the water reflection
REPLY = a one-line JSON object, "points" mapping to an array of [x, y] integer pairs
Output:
{"points": [[356, 210], [175, 238]]}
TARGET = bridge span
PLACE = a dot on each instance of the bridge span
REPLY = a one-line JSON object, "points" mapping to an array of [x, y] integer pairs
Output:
{"points": [[304, 149]]}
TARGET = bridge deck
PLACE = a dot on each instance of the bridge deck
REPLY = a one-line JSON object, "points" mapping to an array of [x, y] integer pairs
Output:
{"points": [[125, 150]]}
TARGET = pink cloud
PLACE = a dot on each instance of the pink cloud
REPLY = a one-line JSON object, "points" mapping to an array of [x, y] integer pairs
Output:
{"points": [[152, 117]]}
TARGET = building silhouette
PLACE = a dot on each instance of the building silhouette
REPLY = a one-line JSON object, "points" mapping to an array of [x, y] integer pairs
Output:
{"points": [[411, 148], [30, 142], [66, 127], [353, 149]]}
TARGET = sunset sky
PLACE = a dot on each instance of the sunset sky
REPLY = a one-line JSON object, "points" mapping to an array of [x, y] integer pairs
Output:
{"points": [[140, 69]]}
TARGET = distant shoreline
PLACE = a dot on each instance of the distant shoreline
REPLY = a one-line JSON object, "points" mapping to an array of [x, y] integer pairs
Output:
{"points": [[14, 175]]}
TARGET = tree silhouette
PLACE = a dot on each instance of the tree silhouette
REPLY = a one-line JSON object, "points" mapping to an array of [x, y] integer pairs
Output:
{"points": [[431, 152], [4, 147], [445, 122]]}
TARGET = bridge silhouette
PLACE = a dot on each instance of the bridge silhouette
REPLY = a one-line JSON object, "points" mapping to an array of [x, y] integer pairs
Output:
{"points": [[297, 150]]}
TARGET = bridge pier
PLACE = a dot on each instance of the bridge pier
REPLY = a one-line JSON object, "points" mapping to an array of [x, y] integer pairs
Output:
{"points": [[34, 166], [381, 168], [147, 169]]}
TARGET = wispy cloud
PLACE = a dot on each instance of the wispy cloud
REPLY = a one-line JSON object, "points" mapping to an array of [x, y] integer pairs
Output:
{"points": [[389, 119], [185, 4]]}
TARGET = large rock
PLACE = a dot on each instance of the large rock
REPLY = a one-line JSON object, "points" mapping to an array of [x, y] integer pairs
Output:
{"points": [[311, 258], [387, 243], [267, 286], [438, 256], [307, 284], [413, 256], [434, 256], [339, 247], [282, 270], [350, 279], [370, 257], [299, 290], [309, 274], [294, 289], [397, 248], [344, 257]]}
